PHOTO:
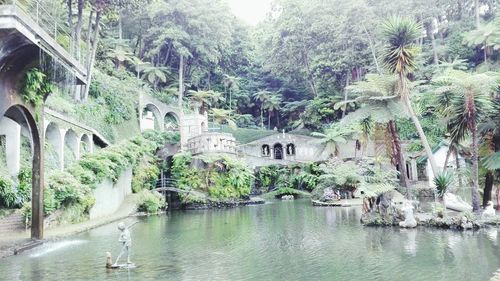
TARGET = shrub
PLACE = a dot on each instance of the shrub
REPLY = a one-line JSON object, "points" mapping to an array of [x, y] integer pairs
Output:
{"points": [[443, 181], [50, 203], [151, 201], [145, 175], [67, 190], [8, 194], [24, 187]]}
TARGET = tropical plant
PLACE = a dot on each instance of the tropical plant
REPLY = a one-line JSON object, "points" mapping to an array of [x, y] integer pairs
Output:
{"points": [[223, 116], [470, 104], [36, 88], [230, 84], [379, 102], [262, 97], [333, 137], [399, 56], [443, 181], [487, 36], [205, 98], [154, 74], [272, 104]]}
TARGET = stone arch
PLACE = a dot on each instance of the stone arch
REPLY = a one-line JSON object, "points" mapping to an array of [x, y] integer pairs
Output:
{"points": [[22, 116], [171, 121], [265, 150], [151, 117], [71, 148], [54, 146], [290, 149], [85, 145], [278, 151]]}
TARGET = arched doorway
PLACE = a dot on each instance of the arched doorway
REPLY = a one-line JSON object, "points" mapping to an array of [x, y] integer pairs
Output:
{"points": [[22, 116], [171, 122], [151, 118], [278, 151]]}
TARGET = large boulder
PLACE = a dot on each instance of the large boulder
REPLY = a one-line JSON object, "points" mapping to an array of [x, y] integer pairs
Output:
{"points": [[455, 203]]}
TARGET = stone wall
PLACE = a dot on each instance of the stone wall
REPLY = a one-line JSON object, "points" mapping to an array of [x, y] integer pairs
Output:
{"points": [[109, 196], [296, 149], [212, 142]]}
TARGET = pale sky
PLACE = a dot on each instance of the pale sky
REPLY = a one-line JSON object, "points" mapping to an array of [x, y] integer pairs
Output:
{"points": [[250, 11]]}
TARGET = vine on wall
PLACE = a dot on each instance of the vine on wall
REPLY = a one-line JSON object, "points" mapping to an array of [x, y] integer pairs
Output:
{"points": [[35, 87]]}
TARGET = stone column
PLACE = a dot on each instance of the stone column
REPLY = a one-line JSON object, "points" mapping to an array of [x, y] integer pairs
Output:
{"points": [[12, 132], [414, 169], [60, 149], [38, 135]]}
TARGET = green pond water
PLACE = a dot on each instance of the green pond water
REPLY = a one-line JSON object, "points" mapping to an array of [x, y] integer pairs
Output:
{"points": [[276, 241]]}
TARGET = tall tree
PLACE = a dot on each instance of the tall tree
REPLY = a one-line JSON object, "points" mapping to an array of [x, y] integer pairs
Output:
{"points": [[399, 58], [470, 104], [379, 101]]}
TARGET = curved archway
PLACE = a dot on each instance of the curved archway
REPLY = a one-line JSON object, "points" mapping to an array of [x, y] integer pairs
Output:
{"points": [[151, 118], [278, 151], [23, 116], [171, 121], [85, 145], [71, 148], [54, 147]]}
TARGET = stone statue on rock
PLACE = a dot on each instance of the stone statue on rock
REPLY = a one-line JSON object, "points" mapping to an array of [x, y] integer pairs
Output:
{"points": [[489, 211], [409, 221]]}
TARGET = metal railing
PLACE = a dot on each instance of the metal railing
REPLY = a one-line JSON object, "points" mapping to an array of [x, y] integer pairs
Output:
{"points": [[49, 16]]}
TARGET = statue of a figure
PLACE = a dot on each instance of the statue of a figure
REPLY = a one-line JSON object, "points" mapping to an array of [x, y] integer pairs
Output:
{"points": [[265, 150], [409, 221], [488, 211], [126, 241]]}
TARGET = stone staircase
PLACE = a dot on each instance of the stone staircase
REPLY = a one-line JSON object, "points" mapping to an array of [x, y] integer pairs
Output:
{"points": [[11, 224]]}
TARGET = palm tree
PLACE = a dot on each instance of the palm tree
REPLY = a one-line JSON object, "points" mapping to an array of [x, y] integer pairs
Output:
{"points": [[262, 97], [487, 36], [230, 84], [378, 97], [489, 150], [223, 116], [399, 58], [120, 54], [153, 74], [205, 98], [333, 137], [470, 104], [366, 127], [272, 104]]}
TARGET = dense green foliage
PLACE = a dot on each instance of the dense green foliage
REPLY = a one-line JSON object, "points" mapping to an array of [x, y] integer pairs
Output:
{"points": [[223, 176], [299, 177], [71, 190], [151, 202], [369, 180], [35, 88]]}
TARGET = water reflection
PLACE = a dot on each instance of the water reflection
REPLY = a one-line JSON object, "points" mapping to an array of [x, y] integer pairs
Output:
{"points": [[410, 245], [280, 241]]}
